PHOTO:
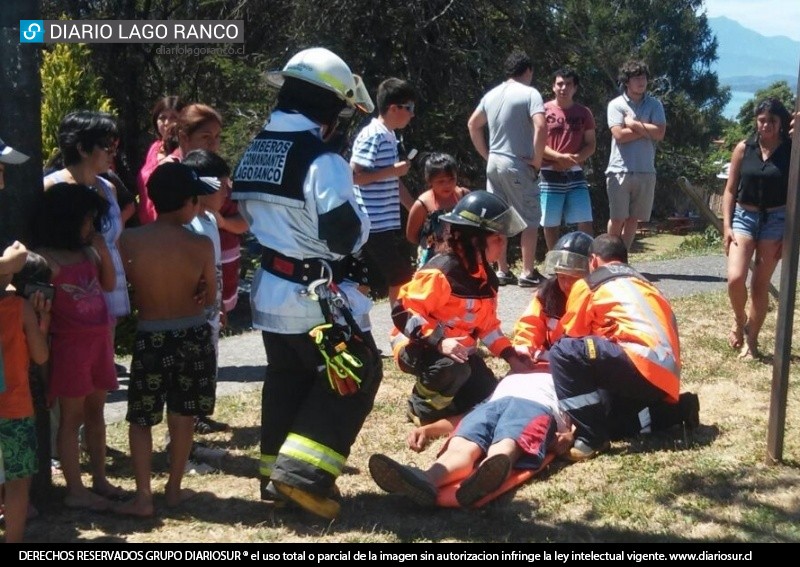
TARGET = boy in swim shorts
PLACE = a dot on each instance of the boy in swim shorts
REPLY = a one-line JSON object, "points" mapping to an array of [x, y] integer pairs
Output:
{"points": [[173, 356]]}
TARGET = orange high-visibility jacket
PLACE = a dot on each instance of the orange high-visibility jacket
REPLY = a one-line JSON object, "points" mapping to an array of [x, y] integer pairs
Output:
{"points": [[444, 300], [536, 329], [618, 303]]}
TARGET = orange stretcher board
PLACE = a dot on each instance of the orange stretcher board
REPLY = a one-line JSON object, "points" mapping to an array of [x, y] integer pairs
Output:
{"points": [[447, 494]]}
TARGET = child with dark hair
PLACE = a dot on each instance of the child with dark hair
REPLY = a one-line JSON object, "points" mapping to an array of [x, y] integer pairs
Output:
{"points": [[423, 227], [214, 171], [173, 358], [67, 234], [377, 170], [164, 115], [23, 338], [36, 271], [88, 142]]}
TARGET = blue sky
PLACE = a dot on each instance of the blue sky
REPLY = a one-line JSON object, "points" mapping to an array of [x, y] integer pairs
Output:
{"points": [[767, 17]]}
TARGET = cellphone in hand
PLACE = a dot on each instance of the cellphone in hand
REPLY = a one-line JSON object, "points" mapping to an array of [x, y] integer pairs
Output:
{"points": [[412, 154], [48, 290]]}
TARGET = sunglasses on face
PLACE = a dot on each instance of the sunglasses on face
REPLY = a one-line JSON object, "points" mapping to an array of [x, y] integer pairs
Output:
{"points": [[409, 107], [108, 147]]}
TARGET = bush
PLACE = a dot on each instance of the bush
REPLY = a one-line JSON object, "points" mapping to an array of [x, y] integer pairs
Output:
{"points": [[709, 238], [68, 84]]}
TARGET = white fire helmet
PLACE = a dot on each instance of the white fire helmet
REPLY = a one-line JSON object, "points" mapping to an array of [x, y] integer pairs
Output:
{"points": [[325, 69]]}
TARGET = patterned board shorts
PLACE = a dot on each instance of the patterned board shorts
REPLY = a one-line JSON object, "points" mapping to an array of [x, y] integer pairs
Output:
{"points": [[176, 367], [18, 443]]}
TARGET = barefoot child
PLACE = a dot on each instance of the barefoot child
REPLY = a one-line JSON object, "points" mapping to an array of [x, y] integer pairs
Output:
{"points": [[67, 233], [23, 337], [173, 355]]}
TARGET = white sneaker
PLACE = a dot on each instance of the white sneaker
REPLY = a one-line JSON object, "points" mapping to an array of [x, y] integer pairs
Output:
{"points": [[195, 468]]}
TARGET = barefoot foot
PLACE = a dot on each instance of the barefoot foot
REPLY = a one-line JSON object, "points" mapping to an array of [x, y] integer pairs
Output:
{"points": [[176, 498], [736, 336], [141, 506], [109, 491], [85, 499]]}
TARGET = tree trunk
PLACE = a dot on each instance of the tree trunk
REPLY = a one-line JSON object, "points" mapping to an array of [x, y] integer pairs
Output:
{"points": [[20, 118]]}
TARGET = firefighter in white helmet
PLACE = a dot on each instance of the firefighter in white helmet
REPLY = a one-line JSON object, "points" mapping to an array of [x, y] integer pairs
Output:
{"points": [[297, 194]]}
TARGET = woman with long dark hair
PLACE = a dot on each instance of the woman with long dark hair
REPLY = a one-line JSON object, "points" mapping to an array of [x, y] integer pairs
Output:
{"points": [[754, 213]]}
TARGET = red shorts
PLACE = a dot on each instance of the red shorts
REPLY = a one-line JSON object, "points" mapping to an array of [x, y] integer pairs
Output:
{"points": [[230, 283], [81, 364]]}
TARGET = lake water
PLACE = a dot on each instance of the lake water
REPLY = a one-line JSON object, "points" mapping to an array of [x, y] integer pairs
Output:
{"points": [[738, 98]]}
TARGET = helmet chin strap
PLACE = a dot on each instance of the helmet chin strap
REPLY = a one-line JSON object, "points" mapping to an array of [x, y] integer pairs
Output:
{"points": [[328, 131], [335, 135]]}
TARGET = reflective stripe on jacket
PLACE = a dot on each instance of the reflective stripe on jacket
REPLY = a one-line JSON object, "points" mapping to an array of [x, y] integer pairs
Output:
{"points": [[630, 311], [536, 329]]}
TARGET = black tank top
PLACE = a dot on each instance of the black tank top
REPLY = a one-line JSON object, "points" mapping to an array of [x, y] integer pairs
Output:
{"points": [[764, 183]]}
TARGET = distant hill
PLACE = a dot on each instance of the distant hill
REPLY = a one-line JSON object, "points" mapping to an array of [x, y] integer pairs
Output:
{"points": [[749, 61]]}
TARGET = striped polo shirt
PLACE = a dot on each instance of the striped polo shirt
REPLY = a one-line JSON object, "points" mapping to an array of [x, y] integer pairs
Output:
{"points": [[375, 147]]}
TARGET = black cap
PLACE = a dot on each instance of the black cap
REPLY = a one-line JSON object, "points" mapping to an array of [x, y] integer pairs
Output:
{"points": [[172, 183]]}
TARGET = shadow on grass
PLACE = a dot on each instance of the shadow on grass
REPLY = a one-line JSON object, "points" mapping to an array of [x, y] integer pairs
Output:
{"points": [[684, 278]]}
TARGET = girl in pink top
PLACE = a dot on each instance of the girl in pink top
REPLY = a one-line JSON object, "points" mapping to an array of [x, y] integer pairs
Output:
{"points": [[67, 234], [164, 115]]}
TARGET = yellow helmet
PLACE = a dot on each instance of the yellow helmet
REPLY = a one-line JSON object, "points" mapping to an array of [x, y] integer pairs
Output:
{"points": [[325, 69]]}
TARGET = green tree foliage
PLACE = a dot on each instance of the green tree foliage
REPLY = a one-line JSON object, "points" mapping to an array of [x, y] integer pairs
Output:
{"points": [[68, 84], [451, 51]]}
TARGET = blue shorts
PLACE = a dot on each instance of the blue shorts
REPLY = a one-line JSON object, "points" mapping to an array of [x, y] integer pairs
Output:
{"points": [[769, 225], [568, 200], [528, 423]]}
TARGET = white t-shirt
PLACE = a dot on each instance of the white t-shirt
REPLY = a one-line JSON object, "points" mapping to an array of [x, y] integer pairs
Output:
{"points": [[535, 386], [206, 224]]}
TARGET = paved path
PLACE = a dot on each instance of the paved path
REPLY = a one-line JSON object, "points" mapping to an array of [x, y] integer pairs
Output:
{"points": [[242, 358]]}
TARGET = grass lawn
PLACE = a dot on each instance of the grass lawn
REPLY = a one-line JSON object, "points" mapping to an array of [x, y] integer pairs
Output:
{"points": [[715, 487]]}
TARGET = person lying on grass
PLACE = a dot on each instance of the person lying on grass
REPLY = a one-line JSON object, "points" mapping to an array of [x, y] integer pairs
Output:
{"points": [[514, 428]]}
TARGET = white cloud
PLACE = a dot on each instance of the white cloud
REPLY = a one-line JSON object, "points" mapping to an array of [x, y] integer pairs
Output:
{"points": [[767, 17]]}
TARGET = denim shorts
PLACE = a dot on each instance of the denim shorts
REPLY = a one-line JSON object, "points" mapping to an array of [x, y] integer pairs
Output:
{"points": [[769, 225], [530, 424]]}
